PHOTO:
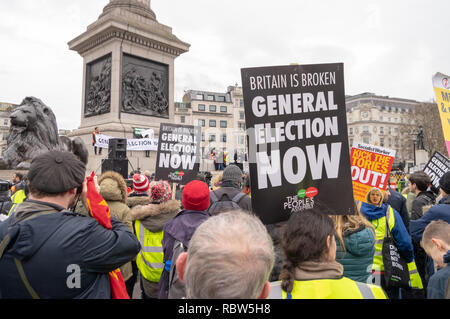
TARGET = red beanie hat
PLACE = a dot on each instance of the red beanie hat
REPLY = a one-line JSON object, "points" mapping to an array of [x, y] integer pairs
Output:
{"points": [[196, 196]]}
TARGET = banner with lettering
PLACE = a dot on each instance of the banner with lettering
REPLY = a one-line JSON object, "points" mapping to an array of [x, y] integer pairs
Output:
{"points": [[178, 157], [298, 143], [441, 84], [371, 168], [135, 144], [437, 166]]}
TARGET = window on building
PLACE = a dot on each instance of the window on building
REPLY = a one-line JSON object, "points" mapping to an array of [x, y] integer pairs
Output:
{"points": [[351, 130], [241, 126], [241, 139], [382, 142], [221, 98], [241, 115], [381, 119], [366, 140], [203, 136], [390, 130], [5, 122], [365, 129], [223, 137], [201, 123], [223, 124], [396, 130], [212, 137], [210, 98], [223, 109], [241, 103], [351, 142], [212, 108], [182, 119], [201, 107], [199, 96], [212, 123]]}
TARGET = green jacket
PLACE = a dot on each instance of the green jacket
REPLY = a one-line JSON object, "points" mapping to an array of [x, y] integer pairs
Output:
{"points": [[358, 257]]}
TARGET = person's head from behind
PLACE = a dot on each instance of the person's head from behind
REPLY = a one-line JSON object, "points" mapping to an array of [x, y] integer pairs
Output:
{"points": [[444, 184], [436, 241], [374, 196], [230, 256], [348, 222], [232, 175], [309, 236], [56, 176], [419, 181], [96, 129]]}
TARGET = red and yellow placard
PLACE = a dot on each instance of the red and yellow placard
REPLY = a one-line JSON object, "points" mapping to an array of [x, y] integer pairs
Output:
{"points": [[371, 166]]}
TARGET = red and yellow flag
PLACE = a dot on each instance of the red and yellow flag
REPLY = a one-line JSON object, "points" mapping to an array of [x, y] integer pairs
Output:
{"points": [[98, 208]]}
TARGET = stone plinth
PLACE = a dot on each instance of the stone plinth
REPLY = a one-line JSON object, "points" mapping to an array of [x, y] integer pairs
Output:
{"points": [[125, 49], [421, 157]]}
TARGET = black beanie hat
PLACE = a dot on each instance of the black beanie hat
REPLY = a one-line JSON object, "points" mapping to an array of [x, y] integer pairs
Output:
{"points": [[56, 172], [444, 182]]}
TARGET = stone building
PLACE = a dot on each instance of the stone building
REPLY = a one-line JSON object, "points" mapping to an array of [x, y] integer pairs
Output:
{"points": [[382, 121], [221, 117]]}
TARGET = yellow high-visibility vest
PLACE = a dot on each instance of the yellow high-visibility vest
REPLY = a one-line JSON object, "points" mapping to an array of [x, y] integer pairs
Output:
{"points": [[18, 197], [150, 258], [380, 233], [343, 288]]}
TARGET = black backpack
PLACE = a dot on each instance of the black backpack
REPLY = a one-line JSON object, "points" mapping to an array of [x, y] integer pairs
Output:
{"points": [[219, 205]]}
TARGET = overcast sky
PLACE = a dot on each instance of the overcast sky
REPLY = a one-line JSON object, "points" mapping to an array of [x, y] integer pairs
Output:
{"points": [[387, 47]]}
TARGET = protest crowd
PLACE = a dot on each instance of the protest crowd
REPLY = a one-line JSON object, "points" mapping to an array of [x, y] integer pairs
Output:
{"points": [[207, 242]]}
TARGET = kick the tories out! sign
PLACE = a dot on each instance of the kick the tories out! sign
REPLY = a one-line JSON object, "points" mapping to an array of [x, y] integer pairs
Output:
{"points": [[298, 143]]}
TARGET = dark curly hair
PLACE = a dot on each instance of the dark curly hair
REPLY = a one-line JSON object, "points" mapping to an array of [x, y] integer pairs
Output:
{"points": [[304, 239]]}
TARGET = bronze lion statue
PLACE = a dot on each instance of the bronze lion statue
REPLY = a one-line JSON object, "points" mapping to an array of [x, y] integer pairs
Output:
{"points": [[34, 131]]}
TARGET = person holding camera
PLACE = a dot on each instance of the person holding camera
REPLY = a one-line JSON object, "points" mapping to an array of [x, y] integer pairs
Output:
{"points": [[48, 251]]}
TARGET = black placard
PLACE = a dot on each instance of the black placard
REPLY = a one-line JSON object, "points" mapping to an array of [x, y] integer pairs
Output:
{"points": [[437, 166], [178, 159], [298, 142]]}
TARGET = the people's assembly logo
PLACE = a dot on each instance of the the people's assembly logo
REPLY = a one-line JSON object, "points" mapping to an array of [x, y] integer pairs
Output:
{"points": [[176, 176], [304, 199]]}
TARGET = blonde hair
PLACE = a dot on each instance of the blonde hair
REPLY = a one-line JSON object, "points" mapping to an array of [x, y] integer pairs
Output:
{"points": [[216, 181], [349, 222], [370, 192]]}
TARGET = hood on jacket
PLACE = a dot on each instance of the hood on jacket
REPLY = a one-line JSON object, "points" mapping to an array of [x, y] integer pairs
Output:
{"points": [[372, 212], [27, 237], [133, 201], [360, 241], [154, 216], [113, 187]]}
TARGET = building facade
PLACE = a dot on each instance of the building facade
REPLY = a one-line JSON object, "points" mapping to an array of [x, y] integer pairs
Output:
{"points": [[221, 117], [382, 121]]}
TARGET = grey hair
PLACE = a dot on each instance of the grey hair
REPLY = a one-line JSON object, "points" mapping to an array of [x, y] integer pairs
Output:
{"points": [[230, 256]]}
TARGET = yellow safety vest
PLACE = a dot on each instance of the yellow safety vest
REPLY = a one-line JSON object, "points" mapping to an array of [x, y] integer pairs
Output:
{"points": [[380, 232], [13, 209], [343, 288], [18, 197], [150, 258]]}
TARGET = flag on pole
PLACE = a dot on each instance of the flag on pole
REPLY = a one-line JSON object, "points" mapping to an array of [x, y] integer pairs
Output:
{"points": [[98, 208]]}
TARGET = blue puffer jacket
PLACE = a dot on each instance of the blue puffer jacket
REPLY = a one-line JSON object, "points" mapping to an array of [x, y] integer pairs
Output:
{"points": [[357, 259], [399, 232], [439, 211]]}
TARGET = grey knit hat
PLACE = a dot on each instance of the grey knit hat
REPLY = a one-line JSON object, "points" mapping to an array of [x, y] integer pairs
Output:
{"points": [[232, 173]]}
